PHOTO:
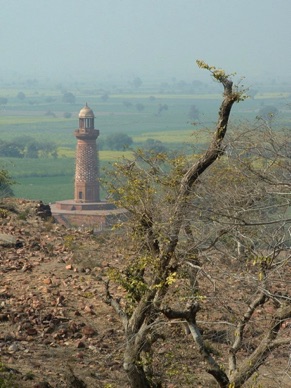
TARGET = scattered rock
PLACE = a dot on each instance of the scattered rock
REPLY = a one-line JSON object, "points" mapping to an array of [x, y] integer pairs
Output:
{"points": [[43, 211], [81, 344], [31, 331], [88, 331], [4, 317], [8, 240], [13, 348], [88, 309], [47, 281]]}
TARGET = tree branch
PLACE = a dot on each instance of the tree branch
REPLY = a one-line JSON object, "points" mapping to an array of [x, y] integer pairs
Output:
{"points": [[190, 316], [116, 305], [259, 300], [214, 150], [266, 346]]}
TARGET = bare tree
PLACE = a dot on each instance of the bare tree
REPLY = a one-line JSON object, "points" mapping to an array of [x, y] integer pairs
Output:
{"points": [[188, 215], [148, 279]]}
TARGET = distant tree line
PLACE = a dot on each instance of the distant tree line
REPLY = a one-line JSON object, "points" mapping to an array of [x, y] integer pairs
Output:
{"points": [[152, 146], [117, 142], [121, 141], [69, 98], [27, 147]]}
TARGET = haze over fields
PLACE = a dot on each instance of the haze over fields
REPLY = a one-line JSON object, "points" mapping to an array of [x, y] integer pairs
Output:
{"points": [[148, 38]]}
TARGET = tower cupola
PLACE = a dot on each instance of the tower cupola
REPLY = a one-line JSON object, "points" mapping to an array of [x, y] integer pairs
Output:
{"points": [[86, 119]]}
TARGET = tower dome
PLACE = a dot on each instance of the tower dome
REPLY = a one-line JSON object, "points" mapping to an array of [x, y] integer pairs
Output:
{"points": [[86, 119], [86, 112]]}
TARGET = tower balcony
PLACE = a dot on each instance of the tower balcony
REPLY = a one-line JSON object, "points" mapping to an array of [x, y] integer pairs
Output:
{"points": [[82, 134]]}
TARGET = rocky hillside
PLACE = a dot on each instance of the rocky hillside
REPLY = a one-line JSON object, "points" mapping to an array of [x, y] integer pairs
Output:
{"points": [[55, 329]]}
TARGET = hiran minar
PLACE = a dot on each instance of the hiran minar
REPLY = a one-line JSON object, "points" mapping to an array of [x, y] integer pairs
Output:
{"points": [[86, 209], [87, 160]]}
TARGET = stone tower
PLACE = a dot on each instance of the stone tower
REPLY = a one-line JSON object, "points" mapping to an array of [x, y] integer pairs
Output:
{"points": [[87, 161], [86, 209]]}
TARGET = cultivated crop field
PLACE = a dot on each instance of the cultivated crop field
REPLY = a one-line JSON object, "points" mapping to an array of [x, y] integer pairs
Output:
{"points": [[44, 116]]}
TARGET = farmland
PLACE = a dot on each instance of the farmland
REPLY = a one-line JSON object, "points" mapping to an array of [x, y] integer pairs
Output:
{"points": [[44, 116]]}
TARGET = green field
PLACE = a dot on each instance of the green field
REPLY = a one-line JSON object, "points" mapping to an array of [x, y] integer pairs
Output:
{"points": [[48, 189], [41, 116]]}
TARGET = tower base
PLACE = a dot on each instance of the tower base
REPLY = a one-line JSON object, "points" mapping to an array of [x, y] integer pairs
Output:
{"points": [[95, 215]]}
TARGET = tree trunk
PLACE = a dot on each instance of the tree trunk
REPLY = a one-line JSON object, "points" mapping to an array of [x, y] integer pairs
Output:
{"points": [[134, 369]]}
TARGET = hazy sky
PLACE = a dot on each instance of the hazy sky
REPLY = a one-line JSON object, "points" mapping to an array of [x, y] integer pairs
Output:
{"points": [[144, 37]]}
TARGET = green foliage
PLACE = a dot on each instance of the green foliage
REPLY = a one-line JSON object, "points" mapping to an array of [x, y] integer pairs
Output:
{"points": [[4, 213], [69, 98], [6, 378], [69, 241], [23, 215], [218, 74], [221, 76], [154, 146], [132, 281], [27, 147], [8, 149], [147, 186], [5, 184], [146, 181], [118, 141]]}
